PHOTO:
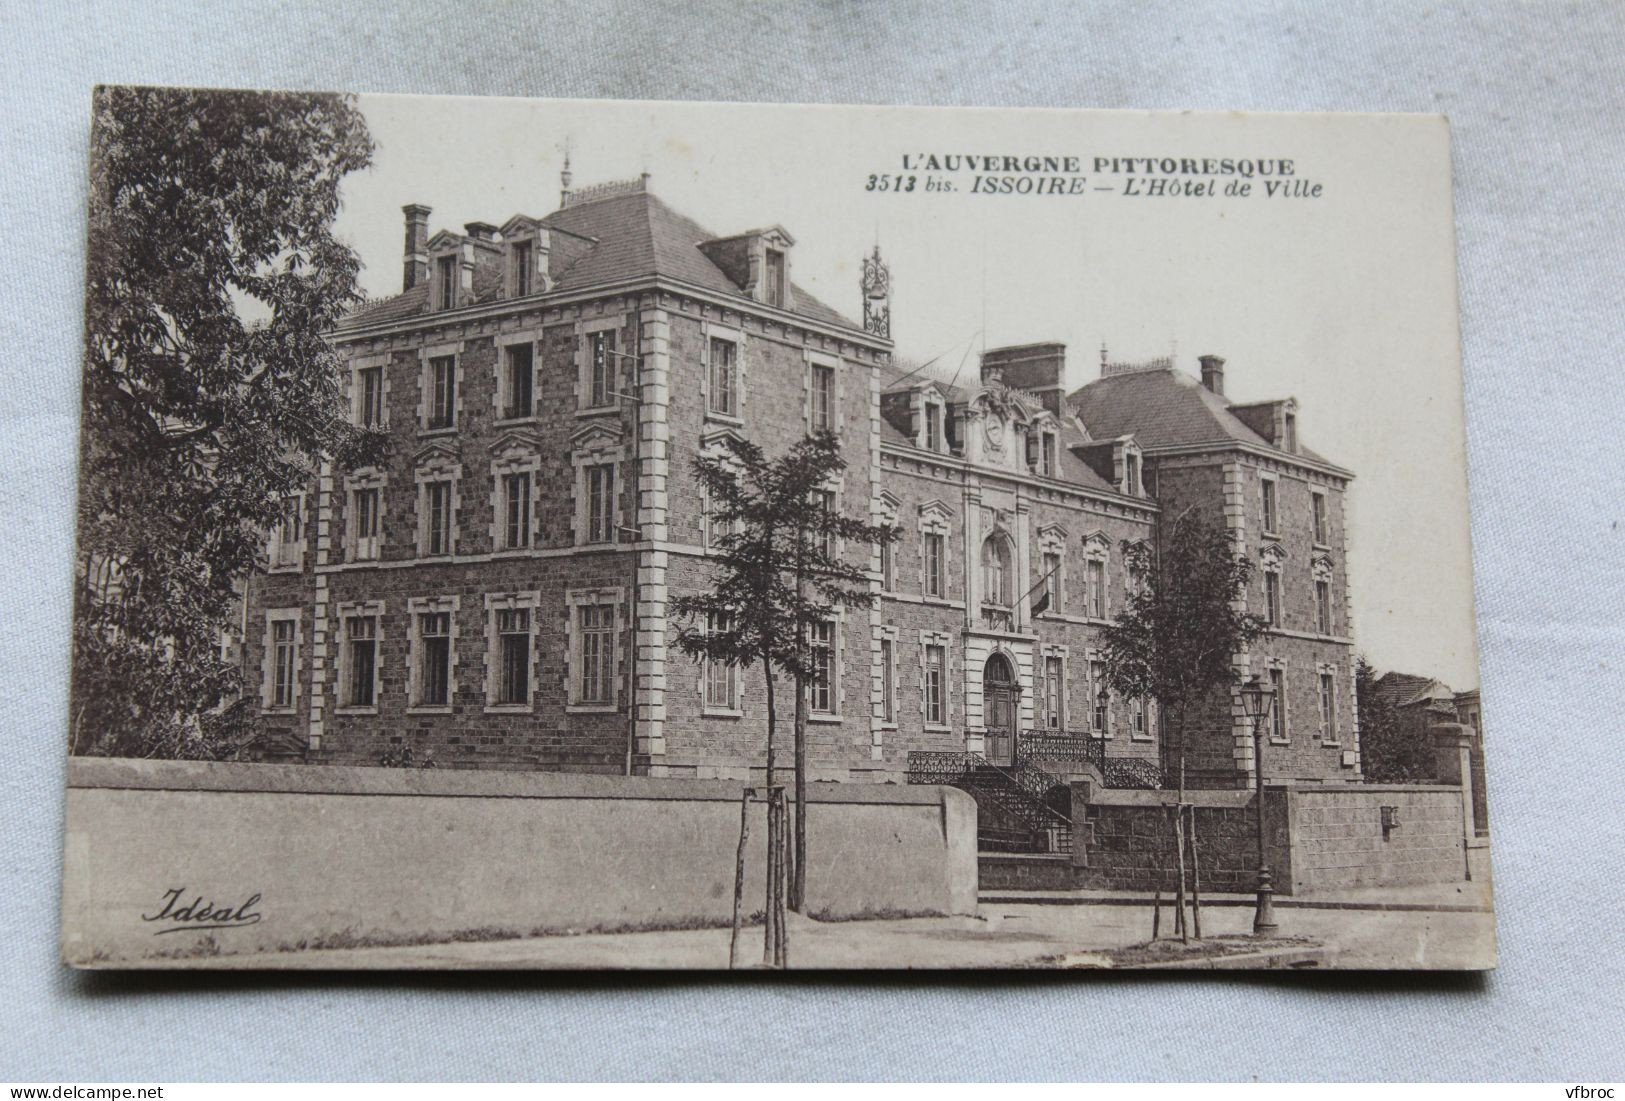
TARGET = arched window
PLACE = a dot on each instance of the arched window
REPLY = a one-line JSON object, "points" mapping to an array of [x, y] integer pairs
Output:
{"points": [[996, 572]]}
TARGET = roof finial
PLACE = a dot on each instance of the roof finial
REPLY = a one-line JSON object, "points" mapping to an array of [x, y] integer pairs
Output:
{"points": [[1103, 355], [564, 179]]}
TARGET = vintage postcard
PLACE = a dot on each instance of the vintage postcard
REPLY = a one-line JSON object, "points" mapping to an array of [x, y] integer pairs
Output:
{"points": [[552, 534]]}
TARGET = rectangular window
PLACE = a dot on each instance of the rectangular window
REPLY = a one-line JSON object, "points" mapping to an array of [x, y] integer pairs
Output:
{"points": [[516, 509], [888, 679], [1137, 715], [935, 661], [1046, 455], [933, 427], [442, 391], [284, 658], [1318, 501], [821, 696], [1053, 711], [888, 567], [521, 368], [1052, 582], [933, 564], [1097, 589], [1131, 475], [775, 277], [824, 502], [1272, 598], [520, 257], [1269, 504], [434, 663], [720, 677], [601, 384], [1323, 607], [513, 649], [601, 503], [362, 636], [1289, 433], [1328, 708], [1278, 711], [724, 377], [446, 275], [597, 654], [367, 503], [823, 397], [370, 396], [437, 518], [1101, 696], [287, 545]]}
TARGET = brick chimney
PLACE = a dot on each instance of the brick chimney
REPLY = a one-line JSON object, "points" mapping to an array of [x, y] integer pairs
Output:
{"points": [[1212, 373], [415, 270], [480, 231]]}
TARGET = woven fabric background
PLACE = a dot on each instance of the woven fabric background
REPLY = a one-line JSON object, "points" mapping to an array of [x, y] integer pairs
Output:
{"points": [[1534, 92]]}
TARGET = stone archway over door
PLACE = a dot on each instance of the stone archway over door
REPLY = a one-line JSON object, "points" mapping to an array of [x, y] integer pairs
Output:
{"points": [[1001, 709]]}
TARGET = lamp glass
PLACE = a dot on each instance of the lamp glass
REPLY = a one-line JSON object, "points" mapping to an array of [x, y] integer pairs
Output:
{"points": [[1257, 698]]}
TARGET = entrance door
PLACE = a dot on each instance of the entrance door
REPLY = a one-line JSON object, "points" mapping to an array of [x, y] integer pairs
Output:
{"points": [[1001, 705]]}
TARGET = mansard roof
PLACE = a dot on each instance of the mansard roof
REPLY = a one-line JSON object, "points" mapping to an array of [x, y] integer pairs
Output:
{"points": [[1164, 407], [622, 236]]}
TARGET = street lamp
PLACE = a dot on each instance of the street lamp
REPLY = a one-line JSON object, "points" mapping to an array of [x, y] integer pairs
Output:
{"points": [[1257, 698]]}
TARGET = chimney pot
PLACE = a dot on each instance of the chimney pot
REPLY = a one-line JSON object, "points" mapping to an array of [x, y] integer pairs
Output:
{"points": [[1212, 373], [415, 268], [483, 231]]}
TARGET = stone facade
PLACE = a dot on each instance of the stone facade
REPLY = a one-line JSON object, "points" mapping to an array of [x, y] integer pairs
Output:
{"points": [[545, 391]]}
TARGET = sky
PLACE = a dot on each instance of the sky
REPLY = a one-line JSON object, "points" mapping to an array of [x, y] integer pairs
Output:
{"points": [[1345, 300]]}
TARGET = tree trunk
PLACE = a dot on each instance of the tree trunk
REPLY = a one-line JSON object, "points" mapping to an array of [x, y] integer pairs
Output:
{"points": [[798, 863], [770, 910], [1196, 880], [739, 876]]}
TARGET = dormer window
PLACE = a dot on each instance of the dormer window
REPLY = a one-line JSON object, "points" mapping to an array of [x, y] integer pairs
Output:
{"points": [[445, 270], [519, 259], [773, 278], [1046, 454], [1131, 474], [933, 426], [1289, 432]]}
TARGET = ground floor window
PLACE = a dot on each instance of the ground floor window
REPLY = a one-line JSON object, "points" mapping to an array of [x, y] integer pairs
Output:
{"points": [[1054, 687], [362, 639], [283, 662], [935, 662], [888, 674], [821, 696], [597, 684], [513, 646], [720, 677], [434, 668]]}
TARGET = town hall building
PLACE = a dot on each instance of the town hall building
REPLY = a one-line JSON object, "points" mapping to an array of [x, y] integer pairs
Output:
{"points": [[496, 593]]}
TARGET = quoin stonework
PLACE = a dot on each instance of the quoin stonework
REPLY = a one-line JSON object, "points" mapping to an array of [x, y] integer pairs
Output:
{"points": [[496, 595]]}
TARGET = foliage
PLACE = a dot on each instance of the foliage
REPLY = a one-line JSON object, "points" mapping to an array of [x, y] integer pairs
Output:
{"points": [[209, 391], [1391, 751], [1176, 639], [779, 571]]}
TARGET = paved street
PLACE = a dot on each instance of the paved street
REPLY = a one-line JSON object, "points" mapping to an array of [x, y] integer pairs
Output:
{"points": [[1004, 935]]}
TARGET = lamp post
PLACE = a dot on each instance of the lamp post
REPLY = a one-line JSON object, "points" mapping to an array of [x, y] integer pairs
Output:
{"points": [[1257, 698], [635, 399]]}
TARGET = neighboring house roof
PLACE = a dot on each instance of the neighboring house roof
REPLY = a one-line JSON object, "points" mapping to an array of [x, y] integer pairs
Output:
{"points": [[1410, 690], [619, 237], [1163, 407]]}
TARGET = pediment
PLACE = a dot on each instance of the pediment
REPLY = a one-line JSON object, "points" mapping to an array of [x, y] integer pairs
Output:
{"points": [[888, 502], [1272, 552], [937, 509], [777, 237], [1321, 566], [435, 451], [444, 240], [516, 440], [719, 438], [1052, 531], [520, 225], [1097, 541], [590, 437]]}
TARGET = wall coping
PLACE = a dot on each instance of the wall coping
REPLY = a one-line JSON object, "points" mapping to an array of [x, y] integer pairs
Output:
{"points": [[1166, 797], [143, 775], [1300, 789]]}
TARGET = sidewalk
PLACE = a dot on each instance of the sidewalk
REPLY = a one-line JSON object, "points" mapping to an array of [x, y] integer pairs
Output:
{"points": [[1002, 936], [1464, 897]]}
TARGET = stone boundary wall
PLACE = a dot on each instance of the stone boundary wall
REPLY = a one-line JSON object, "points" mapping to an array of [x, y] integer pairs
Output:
{"points": [[1318, 837], [329, 855], [1337, 839]]}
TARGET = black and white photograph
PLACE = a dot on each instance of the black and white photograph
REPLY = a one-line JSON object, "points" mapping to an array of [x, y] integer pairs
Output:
{"points": [[564, 534]]}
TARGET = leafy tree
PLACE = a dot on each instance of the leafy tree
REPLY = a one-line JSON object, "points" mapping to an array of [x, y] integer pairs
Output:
{"points": [[1391, 751], [1176, 639], [209, 391], [780, 574]]}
